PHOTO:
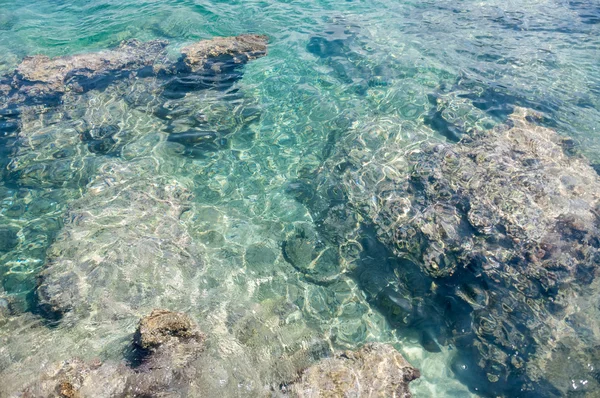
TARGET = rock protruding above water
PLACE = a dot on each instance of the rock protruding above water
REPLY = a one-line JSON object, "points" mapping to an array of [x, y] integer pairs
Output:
{"points": [[39, 74], [168, 369], [376, 370], [241, 49]]}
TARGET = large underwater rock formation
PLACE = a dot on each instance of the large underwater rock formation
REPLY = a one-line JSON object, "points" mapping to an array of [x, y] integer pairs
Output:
{"points": [[62, 119], [490, 245], [49, 106], [510, 198], [509, 221], [376, 370], [39, 76], [122, 246]]}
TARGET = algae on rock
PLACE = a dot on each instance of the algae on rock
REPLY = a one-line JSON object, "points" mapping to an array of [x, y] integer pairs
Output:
{"points": [[496, 242]]}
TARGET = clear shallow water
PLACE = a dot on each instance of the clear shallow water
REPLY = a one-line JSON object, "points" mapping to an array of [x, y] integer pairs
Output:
{"points": [[394, 57]]}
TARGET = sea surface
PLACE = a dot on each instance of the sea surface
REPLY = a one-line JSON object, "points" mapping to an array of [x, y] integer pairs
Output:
{"points": [[334, 67]]}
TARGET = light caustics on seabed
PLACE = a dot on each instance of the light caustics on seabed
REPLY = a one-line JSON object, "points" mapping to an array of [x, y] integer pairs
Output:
{"points": [[261, 198]]}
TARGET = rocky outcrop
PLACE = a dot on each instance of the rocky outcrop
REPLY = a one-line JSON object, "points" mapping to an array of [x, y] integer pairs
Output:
{"points": [[162, 326], [39, 83], [40, 75], [166, 369], [509, 220], [510, 199], [376, 370], [491, 245], [240, 49]]}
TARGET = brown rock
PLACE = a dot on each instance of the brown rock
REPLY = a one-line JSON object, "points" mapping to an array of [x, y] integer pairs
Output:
{"points": [[52, 74], [169, 368], [161, 326], [376, 370], [67, 390], [241, 48]]}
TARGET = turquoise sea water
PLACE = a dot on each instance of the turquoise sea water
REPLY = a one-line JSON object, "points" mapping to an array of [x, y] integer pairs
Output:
{"points": [[334, 69]]}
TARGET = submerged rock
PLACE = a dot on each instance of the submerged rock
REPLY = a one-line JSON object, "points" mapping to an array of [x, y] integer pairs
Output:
{"points": [[490, 245], [509, 199], [122, 247], [41, 83], [309, 254], [507, 222], [40, 75], [376, 370], [168, 369], [162, 326]]}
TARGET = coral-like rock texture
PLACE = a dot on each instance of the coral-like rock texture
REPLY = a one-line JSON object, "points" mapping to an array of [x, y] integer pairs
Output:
{"points": [[162, 326], [167, 370], [376, 370], [490, 244], [508, 223], [510, 199], [241, 49]]}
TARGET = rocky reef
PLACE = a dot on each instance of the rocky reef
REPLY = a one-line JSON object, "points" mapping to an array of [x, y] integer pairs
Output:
{"points": [[376, 370], [62, 119], [171, 344], [508, 221], [511, 198], [490, 245], [39, 76], [40, 83], [170, 358]]}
